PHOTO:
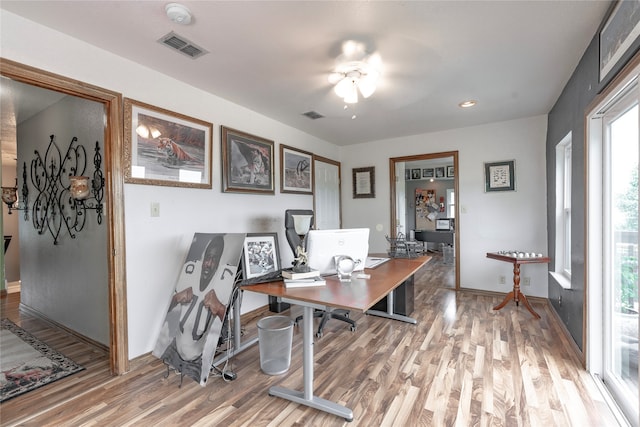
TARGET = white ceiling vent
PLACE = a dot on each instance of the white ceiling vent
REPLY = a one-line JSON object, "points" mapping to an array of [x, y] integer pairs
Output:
{"points": [[182, 45]]}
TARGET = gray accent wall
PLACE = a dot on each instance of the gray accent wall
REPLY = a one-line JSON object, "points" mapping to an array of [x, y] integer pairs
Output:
{"points": [[568, 115]]}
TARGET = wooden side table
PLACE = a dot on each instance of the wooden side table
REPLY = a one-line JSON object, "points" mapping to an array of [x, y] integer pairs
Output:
{"points": [[516, 295]]}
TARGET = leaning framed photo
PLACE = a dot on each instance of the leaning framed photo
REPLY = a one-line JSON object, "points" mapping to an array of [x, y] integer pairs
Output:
{"points": [[618, 35], [427, 173], [364, 183], [260, 254], [247, 162], [440, 172], [296, 170], [162, 147], [450, 172], [499, 176]]}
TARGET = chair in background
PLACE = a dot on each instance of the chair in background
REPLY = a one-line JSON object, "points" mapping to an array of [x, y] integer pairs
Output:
{"points": [[294, 241]]}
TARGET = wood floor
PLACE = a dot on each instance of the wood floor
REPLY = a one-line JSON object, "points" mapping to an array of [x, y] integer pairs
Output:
{"points": [[462, 365]]}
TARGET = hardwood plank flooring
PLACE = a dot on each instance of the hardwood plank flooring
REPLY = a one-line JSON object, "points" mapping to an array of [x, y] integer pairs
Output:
{"points": [[463, 364]]}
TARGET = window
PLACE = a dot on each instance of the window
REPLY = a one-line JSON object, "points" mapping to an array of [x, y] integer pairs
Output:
{"points": [[612, 243], [562, 272], [451, 203]]}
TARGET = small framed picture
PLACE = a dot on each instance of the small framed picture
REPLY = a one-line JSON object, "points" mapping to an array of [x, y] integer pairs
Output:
{"points": [[416, 173], [450, 172], [162, 147], [364, 183], [260, 254], [499, 176], [427, 173], [247, 163], [296, 170], [618, 35], [440, 172]]}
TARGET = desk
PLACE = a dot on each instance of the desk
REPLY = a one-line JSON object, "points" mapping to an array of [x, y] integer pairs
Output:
{"points": [[360, 294], [516, 294]]}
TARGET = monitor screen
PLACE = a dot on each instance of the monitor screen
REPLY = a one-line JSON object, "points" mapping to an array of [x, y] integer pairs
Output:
{"points": [[323, 245]]}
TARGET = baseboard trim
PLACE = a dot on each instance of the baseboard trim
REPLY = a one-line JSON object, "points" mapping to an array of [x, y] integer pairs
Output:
{"points": [[33, 312]]}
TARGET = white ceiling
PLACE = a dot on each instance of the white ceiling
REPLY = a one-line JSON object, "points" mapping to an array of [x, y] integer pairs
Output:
{"points": [[274, 57]]}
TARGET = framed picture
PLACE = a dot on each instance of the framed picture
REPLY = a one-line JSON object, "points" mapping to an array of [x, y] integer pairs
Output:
{"points": [[247, 163], [296, 170], [449, 171], [364, 183], [618, 35], [165, 148], [500, 176], [440, 172], [416, 173], [260, 254], [427, 173]]}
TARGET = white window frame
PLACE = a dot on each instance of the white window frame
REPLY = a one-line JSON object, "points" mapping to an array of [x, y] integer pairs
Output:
{"points": [[562, 270]]}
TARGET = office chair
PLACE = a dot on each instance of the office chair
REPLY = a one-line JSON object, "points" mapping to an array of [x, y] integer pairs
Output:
{"points": [[294, 241]]}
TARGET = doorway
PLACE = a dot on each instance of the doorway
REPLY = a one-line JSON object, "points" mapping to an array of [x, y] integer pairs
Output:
{"points": [[326, 193], [425, 170], [114, 213]]}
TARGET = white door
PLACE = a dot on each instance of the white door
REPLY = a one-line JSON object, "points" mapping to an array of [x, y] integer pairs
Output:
{"points": [[326, 194]]}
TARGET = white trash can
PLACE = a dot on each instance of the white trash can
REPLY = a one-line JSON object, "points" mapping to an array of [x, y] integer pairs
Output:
{"points": [[275, 337]]}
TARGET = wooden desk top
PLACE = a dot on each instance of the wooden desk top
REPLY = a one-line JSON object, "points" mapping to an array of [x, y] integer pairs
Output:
{"points": [[359, 294], [518, 260]]}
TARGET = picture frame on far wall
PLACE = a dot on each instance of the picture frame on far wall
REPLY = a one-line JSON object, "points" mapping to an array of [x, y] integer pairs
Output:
{"points": [[617, 35], [450, 172], [440, 172], [427, 173], [499, 176], [296, 170], [364, 183], [162, 147], [260, 255], [416, 173], [247, 162]]}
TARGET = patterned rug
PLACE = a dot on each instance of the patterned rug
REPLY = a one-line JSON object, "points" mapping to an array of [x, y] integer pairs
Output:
{"points": [[27, 363]]}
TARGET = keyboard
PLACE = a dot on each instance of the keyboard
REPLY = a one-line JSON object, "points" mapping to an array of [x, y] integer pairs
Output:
{"points": [[272, 276]]}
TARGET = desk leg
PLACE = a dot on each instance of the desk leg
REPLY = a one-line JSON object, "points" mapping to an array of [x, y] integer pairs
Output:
{"points": [[516, 295], [238, 345], [307, 398], [389, 314]]}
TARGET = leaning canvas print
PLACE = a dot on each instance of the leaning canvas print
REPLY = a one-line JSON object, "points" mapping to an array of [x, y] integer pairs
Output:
{"points": [[193, 324]]}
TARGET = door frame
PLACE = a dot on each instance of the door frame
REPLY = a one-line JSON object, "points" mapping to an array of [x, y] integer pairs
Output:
{"points": [[114, 193], [392, 198]]}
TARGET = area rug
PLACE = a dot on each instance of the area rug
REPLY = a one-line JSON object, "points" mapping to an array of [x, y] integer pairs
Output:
{"points": [[27, 363]]}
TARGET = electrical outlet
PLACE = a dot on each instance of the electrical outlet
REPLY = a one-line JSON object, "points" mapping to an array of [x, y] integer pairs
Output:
{"points": [[526, 281], [503, 280]]}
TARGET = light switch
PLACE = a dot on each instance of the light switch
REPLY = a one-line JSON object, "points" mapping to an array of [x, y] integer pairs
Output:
{"points": [[155, 209]]}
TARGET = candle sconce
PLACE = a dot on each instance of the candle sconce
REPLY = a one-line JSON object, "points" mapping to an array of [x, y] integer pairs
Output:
{"points": [[10, 195], [62, 191]]}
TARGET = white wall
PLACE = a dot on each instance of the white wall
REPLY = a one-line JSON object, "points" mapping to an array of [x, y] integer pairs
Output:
{"points": [[488, 221], [156, 246]]}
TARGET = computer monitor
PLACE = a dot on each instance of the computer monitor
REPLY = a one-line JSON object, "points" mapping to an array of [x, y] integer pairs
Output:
{"points": [[323, 245]]}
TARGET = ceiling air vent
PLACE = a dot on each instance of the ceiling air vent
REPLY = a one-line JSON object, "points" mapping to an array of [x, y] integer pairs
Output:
{"points": [[182, 45], [313, 115]]}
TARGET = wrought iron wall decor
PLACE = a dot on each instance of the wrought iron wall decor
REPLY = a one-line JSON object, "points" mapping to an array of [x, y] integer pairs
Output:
{"points": [[62, 191]]}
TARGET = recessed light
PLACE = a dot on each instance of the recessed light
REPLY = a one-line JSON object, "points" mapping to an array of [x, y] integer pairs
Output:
{"points": [[467, 104]]}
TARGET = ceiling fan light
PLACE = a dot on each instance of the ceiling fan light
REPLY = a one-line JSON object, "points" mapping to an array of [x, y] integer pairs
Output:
{"points": [[343, 87], [352, 95], [367, 87]]}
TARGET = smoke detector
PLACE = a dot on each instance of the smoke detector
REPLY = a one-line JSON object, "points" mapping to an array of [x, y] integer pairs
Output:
{"points": [[178, 13]]}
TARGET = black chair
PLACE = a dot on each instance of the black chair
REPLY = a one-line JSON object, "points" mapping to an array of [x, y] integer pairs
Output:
{"points": [[294, 241]]}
